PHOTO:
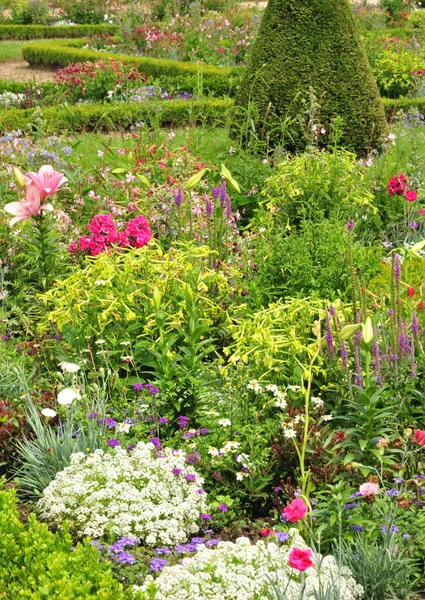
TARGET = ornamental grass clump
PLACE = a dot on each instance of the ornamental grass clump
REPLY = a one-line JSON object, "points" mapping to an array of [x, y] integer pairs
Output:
{"points": [[140, 493], [247, 571]]}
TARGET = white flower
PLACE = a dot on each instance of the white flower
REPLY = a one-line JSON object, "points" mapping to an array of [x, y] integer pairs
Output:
{"points": [[281, 403], [293, 388], [125, 343], [68, 367], [318, 402], [100, 282], [49, 412], [255, 386], [126, 494], [100, 153], [100, 342], [229, 446], [225, 422], [67, 396], [289, 432], [123, 427], [327, 417], [213, 451], [299, 419], [179, 453], [247, 571], [241, 475]]}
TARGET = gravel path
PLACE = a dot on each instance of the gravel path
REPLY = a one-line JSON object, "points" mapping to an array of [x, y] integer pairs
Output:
{"points": [[17, 69]]}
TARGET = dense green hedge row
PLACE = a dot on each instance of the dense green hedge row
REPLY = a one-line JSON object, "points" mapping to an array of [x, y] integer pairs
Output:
{"points": [[393, 106], [107, 117], [213, 80], [32, 32]]}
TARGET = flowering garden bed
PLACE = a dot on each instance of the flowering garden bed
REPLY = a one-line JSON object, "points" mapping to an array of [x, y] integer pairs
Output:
{"points": [[211, 348]]}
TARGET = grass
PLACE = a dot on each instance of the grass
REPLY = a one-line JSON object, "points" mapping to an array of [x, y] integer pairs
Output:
{"points": [[10, 50]]}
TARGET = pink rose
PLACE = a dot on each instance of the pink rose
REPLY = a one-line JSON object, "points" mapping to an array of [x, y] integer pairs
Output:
{"points": [[296, 510], [301, 560], [369, 489], [420, 437]]}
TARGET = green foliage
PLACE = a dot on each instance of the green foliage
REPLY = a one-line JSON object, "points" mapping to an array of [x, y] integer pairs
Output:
{"points": [[29, 32], [314, 44], [416, 18], [116, 116], [215, 80], [37, 564], [30, 12], [85, 11]]}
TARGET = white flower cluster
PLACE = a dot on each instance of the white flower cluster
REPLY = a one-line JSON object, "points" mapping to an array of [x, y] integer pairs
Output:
{"points": [[129, 493], [243, 571]]}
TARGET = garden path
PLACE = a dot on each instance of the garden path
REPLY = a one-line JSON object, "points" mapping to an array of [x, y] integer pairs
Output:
{"points": [[17, 69]]}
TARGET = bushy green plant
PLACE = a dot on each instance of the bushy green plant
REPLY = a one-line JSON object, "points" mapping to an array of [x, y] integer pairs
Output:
{"points": [[85, 11], [30, 12], [46, 565], [416, 18], [314, 44]]}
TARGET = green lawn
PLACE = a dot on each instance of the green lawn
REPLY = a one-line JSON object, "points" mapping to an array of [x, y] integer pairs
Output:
{"points": [[9, 50]]}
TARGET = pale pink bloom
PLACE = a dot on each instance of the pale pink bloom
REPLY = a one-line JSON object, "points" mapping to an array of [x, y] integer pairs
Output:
{"points": [[47, 180], [369, 489], [28, 207]]}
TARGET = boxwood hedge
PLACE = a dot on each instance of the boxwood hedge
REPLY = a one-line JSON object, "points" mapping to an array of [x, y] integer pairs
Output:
{"points": [[32, 32]]}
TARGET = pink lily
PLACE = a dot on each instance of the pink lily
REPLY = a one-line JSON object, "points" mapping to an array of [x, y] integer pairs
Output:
{"points": [[47, 180], [28, 207]]}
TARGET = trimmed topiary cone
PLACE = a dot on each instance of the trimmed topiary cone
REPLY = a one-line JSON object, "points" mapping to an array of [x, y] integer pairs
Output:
{"points": [[304, 44]]}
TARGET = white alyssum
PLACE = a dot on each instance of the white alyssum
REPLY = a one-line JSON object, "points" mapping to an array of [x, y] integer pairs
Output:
{"points": [[242, 571], [130, 493]]}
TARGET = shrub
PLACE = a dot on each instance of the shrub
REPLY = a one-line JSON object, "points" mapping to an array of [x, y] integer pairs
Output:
{"points": [[313, 44], [84, 11], [416, 18], [154, 496], [247, 571], [29, 32], [29, 12], [45, 565]]}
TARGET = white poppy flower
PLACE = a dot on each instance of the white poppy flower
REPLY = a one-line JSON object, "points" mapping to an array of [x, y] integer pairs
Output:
{"points": [[67, 396]]}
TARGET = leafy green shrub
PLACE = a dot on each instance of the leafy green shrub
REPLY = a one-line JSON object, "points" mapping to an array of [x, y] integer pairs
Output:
{"points": [[85, 11], [29, 32], [35, 563], [314, 44], [28, 12], [416, 18]]}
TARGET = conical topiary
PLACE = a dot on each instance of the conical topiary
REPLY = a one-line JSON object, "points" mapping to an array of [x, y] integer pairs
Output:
{"points": [[312, 44]]}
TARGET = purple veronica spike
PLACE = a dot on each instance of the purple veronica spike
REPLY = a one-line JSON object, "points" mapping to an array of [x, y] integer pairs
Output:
{"points": [[178, 198], [397, 270], [328, 336], [415, 324], [208, 207]]}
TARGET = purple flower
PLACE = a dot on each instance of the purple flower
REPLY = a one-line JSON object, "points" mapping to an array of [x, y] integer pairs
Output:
{"points": [[351, 505], [413, 224], [390, 312], [157, 564], [223, 507], [406, 536], [201, 492], [350, 225], [344, 354], [177, 471], [153, 390], [109, 422], [393, 492], [163, 551], [415, 324], [359, 528], [125, 558], [191, 477], [208, 207], [92, 415], [113, 443], [397, 270], [162, 420], [204, 431], [193, 458], [328, 334], [155, 441], [398, 480], [282, 536], [206, 517], [138, 387], [183, 422], [212, 542], [97, 544], [197, 540], [178, 198]]}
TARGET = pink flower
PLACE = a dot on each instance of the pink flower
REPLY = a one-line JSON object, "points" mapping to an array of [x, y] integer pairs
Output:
{"points": [[301, 560], [410, 195], [369, 489], [222, 50], [138, 232], [422, 211], [410, 291], [28, 207], [296, 510], [47, 181], [397, 185], [266, 532], [420, 437]]}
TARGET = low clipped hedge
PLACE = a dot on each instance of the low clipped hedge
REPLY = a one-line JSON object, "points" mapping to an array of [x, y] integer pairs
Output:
{"points": [[32, 32], [220, 81], [116, 116], [404, 104]]}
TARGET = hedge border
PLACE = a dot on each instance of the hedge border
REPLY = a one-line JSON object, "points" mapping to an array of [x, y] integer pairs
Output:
{"points": [[117, 116], [214, 80], [32, 32], [393, 106]]}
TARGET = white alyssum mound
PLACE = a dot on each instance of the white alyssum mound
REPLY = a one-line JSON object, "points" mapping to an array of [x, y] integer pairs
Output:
{"points": [[243, 571], [128, 493]]}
